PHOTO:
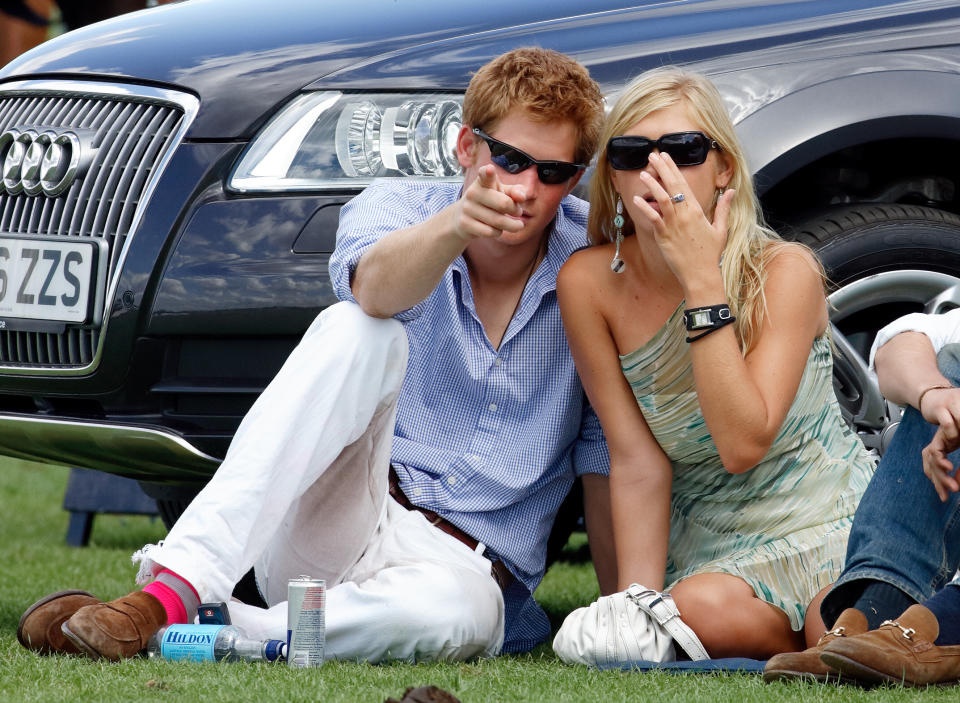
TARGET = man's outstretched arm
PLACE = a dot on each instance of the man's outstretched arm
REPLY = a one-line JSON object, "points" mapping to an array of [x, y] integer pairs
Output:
{"points": [[404, 267]]}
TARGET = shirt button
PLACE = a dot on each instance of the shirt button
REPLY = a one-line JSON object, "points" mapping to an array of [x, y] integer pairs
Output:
{"points": [[417, 491], [493, 407], [497, 361], [452, 480]]}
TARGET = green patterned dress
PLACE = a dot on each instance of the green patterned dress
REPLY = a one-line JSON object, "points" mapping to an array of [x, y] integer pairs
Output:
{"points": [[782, 526]]}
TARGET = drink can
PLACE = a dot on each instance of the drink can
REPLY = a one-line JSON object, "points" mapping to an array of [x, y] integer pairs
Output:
{"points": [[306, 621]]}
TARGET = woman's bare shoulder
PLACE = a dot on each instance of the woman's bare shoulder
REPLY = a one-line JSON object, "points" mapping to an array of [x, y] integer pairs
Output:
{"points": [[584, 266], [791, 255]]}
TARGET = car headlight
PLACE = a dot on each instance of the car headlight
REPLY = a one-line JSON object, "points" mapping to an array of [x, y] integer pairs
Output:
{"points": [[335, 140]]}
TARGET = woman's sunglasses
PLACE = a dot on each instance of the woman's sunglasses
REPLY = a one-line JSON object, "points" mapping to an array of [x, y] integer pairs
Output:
{"points": [[512, 160], [630, 153]]}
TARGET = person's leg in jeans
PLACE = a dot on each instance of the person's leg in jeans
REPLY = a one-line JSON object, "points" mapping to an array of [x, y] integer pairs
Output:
{"points": [[904, 545], [903, 536]]}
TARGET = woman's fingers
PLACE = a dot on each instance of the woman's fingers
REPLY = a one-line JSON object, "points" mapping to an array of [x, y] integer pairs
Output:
{"points": [[656, 190], [672, 178], [647, 211], [722, 211]]}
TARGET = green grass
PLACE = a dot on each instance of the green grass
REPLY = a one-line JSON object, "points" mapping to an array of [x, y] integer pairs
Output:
{"points": [[34, 561]]}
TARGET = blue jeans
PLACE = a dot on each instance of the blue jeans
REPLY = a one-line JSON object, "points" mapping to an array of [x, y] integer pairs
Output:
{"points": [[902, 534]]}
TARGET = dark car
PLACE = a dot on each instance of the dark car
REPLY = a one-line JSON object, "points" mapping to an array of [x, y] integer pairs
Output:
{"points": [[172, 180]]}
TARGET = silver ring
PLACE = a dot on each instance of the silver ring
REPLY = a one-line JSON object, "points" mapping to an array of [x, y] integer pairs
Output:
{"points": [[678, 198]]}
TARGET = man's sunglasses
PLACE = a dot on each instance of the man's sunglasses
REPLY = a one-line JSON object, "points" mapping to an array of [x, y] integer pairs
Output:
{"points": [[512, 160], [630, 153]]}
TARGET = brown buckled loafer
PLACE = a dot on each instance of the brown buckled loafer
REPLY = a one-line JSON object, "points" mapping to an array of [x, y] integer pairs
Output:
{"points": [[116, 630], [39, 628], [807, 664], [899, 651]]}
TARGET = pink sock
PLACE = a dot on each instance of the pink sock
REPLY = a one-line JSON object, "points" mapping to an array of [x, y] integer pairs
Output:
{"points": [[176, 594]]}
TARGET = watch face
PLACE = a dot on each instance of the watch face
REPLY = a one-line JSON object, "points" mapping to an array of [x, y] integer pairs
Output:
{"points": [[699, 319]]}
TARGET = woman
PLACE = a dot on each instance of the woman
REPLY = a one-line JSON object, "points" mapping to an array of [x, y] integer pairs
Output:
{"points": [[729, 408]]}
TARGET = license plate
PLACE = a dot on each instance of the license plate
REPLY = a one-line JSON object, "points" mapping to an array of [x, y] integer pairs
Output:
{"points": [[52, 280]]}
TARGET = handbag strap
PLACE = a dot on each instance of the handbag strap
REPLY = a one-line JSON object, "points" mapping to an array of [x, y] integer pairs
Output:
{"points": [[660, 607]]}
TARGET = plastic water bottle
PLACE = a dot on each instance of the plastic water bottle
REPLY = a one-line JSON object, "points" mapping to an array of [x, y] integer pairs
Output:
{"points": [[209, 643]]}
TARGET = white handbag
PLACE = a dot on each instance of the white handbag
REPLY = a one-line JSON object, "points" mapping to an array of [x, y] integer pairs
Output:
{"points": [[638, 624]]}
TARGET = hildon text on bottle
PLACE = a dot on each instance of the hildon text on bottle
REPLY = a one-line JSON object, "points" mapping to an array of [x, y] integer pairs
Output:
{"points": [[208, 643]]}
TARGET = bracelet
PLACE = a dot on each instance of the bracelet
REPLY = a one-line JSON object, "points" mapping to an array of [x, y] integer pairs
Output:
{"points": [[927, 390], [723, 323], [707, 316]]}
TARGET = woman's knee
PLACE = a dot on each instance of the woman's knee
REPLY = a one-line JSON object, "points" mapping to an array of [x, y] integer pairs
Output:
{"points": [[704, 608], [730, 620], [711, 592]]}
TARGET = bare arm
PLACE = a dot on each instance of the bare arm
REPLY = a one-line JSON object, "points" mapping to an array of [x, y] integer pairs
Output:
{"points": [[596, 509], [404, 267], [640, 473], [907, 368], [744, 399]]}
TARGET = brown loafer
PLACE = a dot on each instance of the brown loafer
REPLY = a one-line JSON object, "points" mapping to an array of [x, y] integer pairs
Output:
{"points": [[900, 651], [807, 664], [116, 630], [39, 628]]}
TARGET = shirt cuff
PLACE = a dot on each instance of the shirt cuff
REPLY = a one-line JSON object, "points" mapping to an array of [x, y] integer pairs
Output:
{"points": [[940, 329], [592, 459]]}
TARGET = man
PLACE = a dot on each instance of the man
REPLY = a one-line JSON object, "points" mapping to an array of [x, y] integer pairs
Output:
{"points": [[895, 616], [481, 425]]}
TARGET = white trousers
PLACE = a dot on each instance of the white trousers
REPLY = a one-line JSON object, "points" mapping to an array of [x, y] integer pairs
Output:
{"points": [[303, 491]]}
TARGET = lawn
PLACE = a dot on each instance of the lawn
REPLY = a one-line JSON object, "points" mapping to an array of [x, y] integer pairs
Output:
{"points": [[34, 561]]}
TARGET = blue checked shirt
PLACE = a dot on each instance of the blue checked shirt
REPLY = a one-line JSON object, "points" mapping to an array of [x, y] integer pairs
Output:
{"points": [[488, 438]]}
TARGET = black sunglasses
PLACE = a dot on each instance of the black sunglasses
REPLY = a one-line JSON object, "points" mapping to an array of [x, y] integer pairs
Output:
{"points": [[512, 160], [630, 153]]}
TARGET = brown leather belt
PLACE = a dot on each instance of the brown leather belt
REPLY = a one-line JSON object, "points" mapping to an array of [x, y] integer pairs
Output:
{"points": [[501, 574]]}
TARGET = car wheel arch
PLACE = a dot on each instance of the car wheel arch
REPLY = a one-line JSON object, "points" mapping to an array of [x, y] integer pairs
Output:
{"points": [[843, 112]]}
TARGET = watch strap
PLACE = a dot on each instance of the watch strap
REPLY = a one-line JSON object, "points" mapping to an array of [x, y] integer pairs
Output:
{"points": [[706, 317]]}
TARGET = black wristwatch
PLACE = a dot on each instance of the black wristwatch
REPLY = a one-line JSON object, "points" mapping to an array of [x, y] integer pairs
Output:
{"points": [[707, 317]]}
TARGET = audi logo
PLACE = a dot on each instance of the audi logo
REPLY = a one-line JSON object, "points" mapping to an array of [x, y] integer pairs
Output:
{"points": [[39, 160]]}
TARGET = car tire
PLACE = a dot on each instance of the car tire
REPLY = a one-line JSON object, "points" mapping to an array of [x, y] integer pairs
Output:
{"points": [[881, 262], [858, 241]]}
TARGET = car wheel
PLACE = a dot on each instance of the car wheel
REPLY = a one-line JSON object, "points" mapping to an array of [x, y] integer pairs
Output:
{"points": [[881, 261]]}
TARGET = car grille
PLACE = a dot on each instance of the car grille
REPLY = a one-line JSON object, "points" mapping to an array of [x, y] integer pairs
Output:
{"points": [[134, 131]]}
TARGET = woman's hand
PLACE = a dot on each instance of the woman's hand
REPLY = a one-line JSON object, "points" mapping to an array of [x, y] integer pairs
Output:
{"points": [[691, 244]]}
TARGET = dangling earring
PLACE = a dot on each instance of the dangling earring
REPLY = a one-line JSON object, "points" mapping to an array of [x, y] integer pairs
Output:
{"points": [[717, 195], [617, 265]]}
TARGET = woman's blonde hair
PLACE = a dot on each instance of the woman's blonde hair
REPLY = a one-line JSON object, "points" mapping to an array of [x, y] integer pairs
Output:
{"points": [[749, 240]]}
